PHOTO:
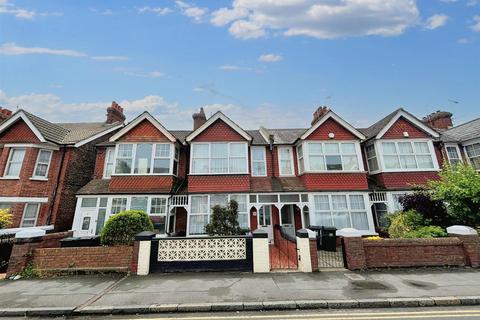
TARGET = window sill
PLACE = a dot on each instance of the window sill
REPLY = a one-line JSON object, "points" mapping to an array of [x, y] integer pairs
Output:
{"points": [[219, 174], [139, 175], [9, 178], [38, 179], [334, 171]]}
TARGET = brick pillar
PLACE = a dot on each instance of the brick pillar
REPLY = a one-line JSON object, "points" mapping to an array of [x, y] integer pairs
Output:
{"points": [[470, 241], [141, 253], [314, 254], [22, 253], [261, 251], [354, 253]]}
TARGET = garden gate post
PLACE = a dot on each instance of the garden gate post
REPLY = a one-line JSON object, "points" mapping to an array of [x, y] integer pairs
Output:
{"points": [[470, 241], [305, 263], [142, 247], [261, 251]]}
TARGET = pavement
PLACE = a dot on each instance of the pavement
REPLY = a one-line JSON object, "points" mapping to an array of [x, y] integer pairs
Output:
{"points": [[193, 292]]}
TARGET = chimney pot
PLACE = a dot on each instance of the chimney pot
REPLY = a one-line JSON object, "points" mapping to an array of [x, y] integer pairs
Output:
{"points": [[115, 113], [199, 119], [439, 120], [320, 112], [4, 114]]}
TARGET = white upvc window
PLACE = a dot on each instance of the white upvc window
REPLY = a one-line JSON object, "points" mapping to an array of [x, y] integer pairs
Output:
{"points": [[43, 164], [118, 205], [301, 159], [453, 154], [219, 158], [285, 161], [341, 211], [144, 159], [30, 214], [259, 162], [109, 162], [14, 163], [201, 209], [371, 158], [401, 155], [332, 156], [473, 154]]}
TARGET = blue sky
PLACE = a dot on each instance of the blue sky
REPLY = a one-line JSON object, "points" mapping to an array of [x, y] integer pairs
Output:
{"points": [[267, 63]]}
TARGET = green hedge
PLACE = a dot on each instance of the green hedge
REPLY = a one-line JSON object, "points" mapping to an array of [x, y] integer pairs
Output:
{"points": [[122, 227]]}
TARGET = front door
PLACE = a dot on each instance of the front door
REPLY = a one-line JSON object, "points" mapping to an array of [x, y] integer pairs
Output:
{"points": [[287, 221], [88, 222], [265, 221]]}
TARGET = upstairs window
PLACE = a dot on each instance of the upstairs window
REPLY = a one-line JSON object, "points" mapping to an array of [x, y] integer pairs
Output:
{"points": [[453, 155], [109, 162], [327, 156], [371, 157], [144, 158], [285, 161], [407, 155], [219, 158], [43, 164], [259, 166], [301, 160], [473, 154], [14, 163], [30, 214]]}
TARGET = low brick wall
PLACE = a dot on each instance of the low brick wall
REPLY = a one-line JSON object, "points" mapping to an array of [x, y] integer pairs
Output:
{"points": [[452, 251], [117, 258]]}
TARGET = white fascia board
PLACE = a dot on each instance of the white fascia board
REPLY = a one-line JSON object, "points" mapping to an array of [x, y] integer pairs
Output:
{"points": [[23, 200], [135, 122], [413, 120], [96, 136], [211, 120], [334, 116], [48, 146], [265, 134], [21, 115]]}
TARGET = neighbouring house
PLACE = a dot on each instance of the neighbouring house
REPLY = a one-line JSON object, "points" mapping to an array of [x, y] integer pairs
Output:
{"points": [[44, 164]]}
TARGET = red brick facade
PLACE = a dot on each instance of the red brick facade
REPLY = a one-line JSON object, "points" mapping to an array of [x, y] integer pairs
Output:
{"points": [[402, 125], [335, 181], [218, 131], [19, 133], [331, 126], [141, 184], [218, 183], [145, 131], [404, 180]]}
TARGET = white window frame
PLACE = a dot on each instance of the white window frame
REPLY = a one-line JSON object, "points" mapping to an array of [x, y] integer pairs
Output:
{"points": [[9, 160], [306, 155], [113, 151], [292, 173], [379, 149], [465, 145], [301, 158], [370, 158], [152, 158], [453, 145], [263, 161], [34, 176], [210, 158], [36, 214]]}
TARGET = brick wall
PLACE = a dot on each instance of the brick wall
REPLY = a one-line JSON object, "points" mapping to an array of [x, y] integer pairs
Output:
{"points": [[138, 184], [83, 258], [335, 181], [99, 163], [145, 131], [218, 183], [219, 131], [404, 180], [19, 133], [402, 125], [330, 125], [453, 251], [313, 254]]}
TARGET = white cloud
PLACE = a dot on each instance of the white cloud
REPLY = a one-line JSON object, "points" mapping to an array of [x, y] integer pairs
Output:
{"points": [[471, 3], [233, 67], [110, 58], [104, 12], [140, 74], [476, 23], [271, 57], [318, 19], [463, 41], [159, 11], [436, 21], [13, 49], [191, 11], [7, 7]]}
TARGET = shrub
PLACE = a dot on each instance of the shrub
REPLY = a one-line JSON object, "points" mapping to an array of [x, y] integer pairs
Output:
{"points": [[403, 222], [459, 187], [122, 227], [374, 238], [5, 218], [224, 221], [430, 209], [426, 232]]}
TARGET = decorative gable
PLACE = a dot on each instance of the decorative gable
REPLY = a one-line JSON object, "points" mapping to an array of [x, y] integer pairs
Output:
{"points": [[218, 131], [331, 126], [19, 132], [144, 131], [401, 125]]}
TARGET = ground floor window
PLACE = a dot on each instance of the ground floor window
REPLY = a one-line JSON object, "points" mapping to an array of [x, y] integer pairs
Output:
{"points": [[30, 214], [4, 205], [341, 211]]}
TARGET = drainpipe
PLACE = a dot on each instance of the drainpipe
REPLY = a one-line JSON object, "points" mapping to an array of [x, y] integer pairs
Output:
{"points": [[55, 189]]}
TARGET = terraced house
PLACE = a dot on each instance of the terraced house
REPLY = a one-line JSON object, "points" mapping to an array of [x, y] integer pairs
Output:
{"points": [[329, 174]]}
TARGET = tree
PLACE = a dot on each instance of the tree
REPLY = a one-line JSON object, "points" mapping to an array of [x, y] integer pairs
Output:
{"points": [[459, 188], [431, 209], [122, 227], [5, 218], [224, 220]]}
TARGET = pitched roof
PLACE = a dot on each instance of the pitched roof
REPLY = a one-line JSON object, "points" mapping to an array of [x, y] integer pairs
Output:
{"points": [[218, 116], [81, 131], [48, 130], [257, 138], [285, 136], [140, 118], [375, 128], [463, 132]]}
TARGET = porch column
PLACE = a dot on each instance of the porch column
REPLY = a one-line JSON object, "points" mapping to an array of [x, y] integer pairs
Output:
{"points": [[303, 247], [261, 251], [143, 246]]}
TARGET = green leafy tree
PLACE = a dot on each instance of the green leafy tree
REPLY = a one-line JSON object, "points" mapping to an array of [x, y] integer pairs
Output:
{"points": [[122, 227], [5, 218], [224, 220], [459, 188]]}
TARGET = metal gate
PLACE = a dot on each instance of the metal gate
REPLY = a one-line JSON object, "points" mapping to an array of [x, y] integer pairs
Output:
{"points": [[6, 245], [201, 254], [283, 253], [331, 258]]}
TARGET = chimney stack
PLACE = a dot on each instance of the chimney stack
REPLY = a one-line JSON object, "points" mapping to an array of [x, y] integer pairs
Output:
{"points": [[115, 113], [4, 114], [439, 120], [320, 112], [199, 119]]}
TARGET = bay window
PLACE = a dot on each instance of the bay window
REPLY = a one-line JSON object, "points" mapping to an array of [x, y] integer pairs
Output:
{"points": [[453, 154], [145, 158], [14, 163], [219, 158], [43, 164], [407, 155], [259, 166], [285, 161], [473, 154], [341, 211], [331, 156]]}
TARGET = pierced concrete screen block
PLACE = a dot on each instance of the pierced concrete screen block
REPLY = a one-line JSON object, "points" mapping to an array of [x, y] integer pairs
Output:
{"points": [[462, 230], [202, 249]]}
